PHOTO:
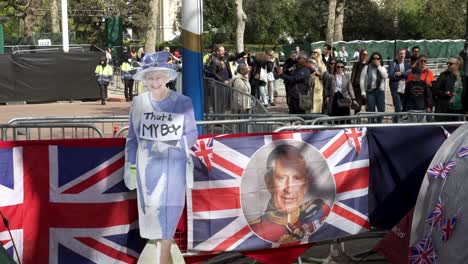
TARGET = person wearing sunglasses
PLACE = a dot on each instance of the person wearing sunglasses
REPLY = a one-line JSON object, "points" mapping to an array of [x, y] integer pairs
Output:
{"points": [[372, 82], [450, 90], [338, 87], [427, 75], [398, 70]]}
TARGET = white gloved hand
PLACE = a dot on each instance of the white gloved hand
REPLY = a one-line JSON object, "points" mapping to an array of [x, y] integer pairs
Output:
{"points": [[130, 175]]}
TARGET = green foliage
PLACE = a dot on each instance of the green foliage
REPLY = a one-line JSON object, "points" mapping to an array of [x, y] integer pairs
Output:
{"points": [[272, 22]]}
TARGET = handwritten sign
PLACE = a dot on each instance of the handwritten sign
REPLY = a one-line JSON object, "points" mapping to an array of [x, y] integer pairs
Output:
{"points": [[161, 126]]}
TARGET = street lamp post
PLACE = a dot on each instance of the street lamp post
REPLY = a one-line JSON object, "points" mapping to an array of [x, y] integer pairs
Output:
{"points": [[395, 28]]}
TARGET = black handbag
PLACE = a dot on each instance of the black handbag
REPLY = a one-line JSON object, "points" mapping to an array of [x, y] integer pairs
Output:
{"points": [[343, 102]]}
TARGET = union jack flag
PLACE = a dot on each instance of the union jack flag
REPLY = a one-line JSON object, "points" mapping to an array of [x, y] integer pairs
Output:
{"points": [[447, 226], [216, 206], [463, 152], [67, 203], [423, 252], [355, 137], [435, 216], [203, 149], [441, 170]]}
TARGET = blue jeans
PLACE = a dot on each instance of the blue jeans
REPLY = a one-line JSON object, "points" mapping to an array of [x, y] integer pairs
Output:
{"points": [[396, 97], [376, 98]]}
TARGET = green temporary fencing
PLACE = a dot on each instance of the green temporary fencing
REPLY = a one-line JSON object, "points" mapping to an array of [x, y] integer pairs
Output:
{"points": [[437, 48]]}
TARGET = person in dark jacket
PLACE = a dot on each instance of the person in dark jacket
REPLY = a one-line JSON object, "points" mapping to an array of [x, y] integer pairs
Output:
{"points": [[300, 79], [219, 66], [418, 96], [289, 67], [450, 90]]}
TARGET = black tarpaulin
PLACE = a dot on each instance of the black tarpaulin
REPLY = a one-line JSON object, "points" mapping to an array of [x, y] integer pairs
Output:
{"points": [[37, 77]]}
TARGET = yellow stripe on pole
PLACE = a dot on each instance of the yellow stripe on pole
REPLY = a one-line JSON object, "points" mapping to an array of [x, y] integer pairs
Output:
{"points": [[192, 41]]}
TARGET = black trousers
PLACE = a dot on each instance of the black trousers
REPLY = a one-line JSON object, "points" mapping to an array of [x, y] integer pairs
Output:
{"points": [[293, 105], [103, 87], [128, 89]]}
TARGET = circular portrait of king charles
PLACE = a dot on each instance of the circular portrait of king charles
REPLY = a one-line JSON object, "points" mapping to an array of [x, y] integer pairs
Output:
{"points": [[287, 191]]}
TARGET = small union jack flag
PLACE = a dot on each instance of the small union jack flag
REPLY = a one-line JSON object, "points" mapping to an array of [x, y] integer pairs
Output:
{"points": [[423, 252], [355, 136], [463, 152], [435, 216], [203, 149], [448, 224], [442, 170]]}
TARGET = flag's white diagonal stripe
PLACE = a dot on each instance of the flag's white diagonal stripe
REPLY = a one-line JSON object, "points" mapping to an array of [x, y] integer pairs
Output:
{"points": [[92, 172], [240, 241], [349, 166], [352, 194], [230, 154], [225, 233]]}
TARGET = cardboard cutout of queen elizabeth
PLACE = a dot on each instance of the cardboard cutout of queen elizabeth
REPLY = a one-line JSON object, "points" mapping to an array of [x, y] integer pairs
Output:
{"points": [[162, 123]]}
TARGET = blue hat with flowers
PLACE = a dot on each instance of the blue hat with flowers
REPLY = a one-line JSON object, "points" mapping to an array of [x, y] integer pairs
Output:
{"points": [[157, 61]]}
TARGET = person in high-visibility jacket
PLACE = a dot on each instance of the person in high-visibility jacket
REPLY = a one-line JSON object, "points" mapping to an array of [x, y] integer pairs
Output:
{"points": [[104, 76], [127, 79]]}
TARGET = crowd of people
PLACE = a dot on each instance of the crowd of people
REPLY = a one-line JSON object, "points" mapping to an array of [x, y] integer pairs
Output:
{"points": [[321, 84], [124, 64]]}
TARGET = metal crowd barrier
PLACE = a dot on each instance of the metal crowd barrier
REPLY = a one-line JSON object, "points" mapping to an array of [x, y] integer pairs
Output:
{"points": [[220, 99], [106, 125], [305, 117], [238, 126], [387, 117], [343, 126], [48, 131]]}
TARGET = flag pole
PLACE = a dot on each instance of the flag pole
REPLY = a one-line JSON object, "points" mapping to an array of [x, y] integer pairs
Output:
{"points": [[192, 70], [7, 225], [65, 41]]}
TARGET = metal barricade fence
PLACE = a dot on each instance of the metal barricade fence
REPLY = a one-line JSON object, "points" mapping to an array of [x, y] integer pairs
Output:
{"points": [[219, 98], [48, 131], [387, 117], [343, 126], [238, 126], [106, 125]]}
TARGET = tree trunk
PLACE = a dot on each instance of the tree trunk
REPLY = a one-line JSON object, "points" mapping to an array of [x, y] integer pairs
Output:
{"points": [[150, 44], [331, 22], [54, 16], [339, 20], [241, 18], [30, 17]]}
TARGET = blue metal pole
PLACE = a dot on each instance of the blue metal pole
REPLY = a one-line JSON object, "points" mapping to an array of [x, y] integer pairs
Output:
{"points": [[192, 71]]}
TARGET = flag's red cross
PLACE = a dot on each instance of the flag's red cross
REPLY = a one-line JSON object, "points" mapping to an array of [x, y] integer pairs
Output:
{"points": [[204, 151], [355, 136], [448, 224], [36, 215]]}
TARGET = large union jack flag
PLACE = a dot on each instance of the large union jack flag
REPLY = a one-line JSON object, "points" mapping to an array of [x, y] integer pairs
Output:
{"points": [[66, 202], [216, 220]]}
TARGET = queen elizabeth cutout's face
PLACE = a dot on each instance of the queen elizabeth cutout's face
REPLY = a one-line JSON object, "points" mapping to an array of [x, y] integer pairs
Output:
{"points": [[156, 81]]}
